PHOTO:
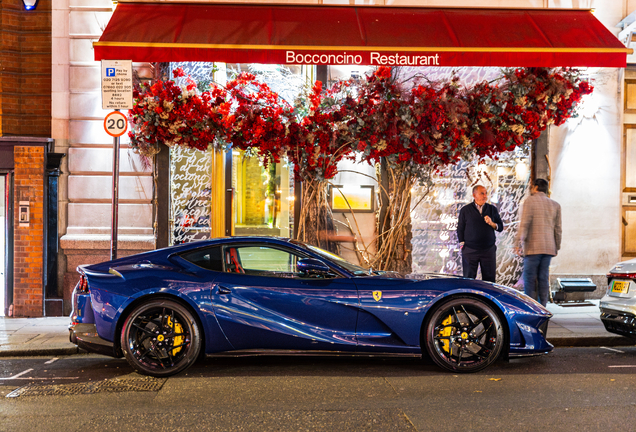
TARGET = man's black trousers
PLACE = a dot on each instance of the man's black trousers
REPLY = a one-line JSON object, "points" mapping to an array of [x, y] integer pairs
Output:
{"points": [[486, 258]]}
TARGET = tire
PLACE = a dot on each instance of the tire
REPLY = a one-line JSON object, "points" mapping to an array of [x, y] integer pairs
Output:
{"points": [[464, 334], [160, 338]]}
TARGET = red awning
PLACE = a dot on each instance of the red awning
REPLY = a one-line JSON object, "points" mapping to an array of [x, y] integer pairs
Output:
{"points": [[368, 35]]}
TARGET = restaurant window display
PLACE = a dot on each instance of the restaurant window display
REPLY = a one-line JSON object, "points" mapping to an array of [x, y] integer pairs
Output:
{"points": [[262, 192], [434, 220], [190, 194], [192, 173], [263, 196]]}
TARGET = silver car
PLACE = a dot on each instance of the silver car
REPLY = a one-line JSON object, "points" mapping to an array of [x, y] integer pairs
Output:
{"points": [[618, 306]]}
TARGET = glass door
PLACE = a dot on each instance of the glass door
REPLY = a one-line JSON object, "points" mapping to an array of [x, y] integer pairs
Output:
{"points": [[263, 197]]}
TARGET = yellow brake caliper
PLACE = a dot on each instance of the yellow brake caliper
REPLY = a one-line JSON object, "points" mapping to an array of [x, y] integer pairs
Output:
{"points": [[177, 340], [446, 331]]}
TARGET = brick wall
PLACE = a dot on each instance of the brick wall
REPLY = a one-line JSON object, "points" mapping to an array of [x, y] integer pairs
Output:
{"points": [[25, 74], [28, 287]]}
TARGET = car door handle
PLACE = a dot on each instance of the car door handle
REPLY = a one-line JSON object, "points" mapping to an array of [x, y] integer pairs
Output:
{"points": [[224, 290]]}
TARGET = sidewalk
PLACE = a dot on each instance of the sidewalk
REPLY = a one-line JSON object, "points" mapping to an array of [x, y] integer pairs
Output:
{"points": [[570, 326]]}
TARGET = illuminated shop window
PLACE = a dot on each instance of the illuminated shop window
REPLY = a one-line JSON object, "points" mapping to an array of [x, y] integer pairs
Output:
{"points": [[434, 221], [263, 200], [354, 187]]}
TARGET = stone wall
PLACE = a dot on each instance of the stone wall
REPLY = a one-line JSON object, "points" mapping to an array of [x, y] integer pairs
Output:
{"points": [[585, 169], [78, 128]]}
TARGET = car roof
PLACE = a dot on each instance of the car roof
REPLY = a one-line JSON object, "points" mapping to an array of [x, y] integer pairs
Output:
{"points": [[224, 240]]}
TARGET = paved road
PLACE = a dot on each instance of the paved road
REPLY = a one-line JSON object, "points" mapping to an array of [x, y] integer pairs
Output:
{"points": [[571, 389]]}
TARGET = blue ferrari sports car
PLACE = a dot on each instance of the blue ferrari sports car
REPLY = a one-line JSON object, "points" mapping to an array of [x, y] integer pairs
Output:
{"points": [[164, 309]]}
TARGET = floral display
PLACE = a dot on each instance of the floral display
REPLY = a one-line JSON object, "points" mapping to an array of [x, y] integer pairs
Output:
{"points": [[411, 130], [321, 140], [526, 102], [420, 129], [166, 113], [261, 122]]}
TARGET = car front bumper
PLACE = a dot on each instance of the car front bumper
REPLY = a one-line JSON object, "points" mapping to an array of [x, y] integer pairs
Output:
{"points": [[85, 336]]}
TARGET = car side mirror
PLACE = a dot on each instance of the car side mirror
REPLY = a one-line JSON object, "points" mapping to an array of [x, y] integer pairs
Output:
{"points": [[313, 266]]}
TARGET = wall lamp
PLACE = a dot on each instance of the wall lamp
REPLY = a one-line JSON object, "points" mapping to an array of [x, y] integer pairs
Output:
{"points": [[30, 4]]}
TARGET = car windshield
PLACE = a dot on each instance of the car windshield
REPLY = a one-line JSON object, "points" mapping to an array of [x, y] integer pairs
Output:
{"points": [[353, 268]]}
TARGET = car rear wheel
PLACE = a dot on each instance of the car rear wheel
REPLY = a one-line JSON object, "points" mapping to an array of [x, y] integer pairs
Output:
{"points": [[464, 334], [160, 338]]}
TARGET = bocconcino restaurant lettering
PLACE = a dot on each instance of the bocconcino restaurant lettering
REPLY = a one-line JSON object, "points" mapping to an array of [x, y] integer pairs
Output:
{"points": [[404, 60], [374, 59], [344, 58]]}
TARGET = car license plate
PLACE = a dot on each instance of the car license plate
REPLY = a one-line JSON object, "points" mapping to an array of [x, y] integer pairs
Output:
{"points": [[620, 287]]}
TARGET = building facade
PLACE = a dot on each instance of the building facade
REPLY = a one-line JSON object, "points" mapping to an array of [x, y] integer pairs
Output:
{"points": [[589, 158]]}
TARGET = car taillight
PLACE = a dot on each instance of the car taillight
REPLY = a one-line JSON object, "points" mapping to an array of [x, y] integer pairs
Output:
{"points": [[611, 276], [82, 287]]}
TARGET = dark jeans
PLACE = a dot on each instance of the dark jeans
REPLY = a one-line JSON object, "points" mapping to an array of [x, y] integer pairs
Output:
{"points": [[537, 268], [486, 258]]}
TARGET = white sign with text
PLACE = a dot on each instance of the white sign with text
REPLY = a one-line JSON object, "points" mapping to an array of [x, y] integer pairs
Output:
{"points": [[117, 87]]}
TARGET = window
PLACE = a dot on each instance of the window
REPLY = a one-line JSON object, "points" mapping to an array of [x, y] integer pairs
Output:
{"points": [[630, 96], [352, 197], [208, 258], [263, 199], [260, 260], [628, 168], [629, 232], [353, 188]]}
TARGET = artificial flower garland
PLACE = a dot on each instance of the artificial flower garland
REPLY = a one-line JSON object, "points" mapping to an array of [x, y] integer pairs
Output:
{"points": [[413, 130]]}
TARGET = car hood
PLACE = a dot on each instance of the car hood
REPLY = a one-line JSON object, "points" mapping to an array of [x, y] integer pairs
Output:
{"points": [[495, 289]]}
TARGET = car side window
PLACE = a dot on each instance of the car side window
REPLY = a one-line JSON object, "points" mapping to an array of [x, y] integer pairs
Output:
{"points": [[209, 258], [260, 260], [266, 261]]}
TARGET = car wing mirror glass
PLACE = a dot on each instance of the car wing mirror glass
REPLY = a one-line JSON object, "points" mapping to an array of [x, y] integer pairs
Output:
{"points": [[313, 266]]}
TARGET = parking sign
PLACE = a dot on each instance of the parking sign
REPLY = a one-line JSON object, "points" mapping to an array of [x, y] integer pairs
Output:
{"points": [[117, 84]]}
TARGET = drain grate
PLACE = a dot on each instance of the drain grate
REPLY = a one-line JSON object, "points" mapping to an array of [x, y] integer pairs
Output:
{"points": [[107, 386]]}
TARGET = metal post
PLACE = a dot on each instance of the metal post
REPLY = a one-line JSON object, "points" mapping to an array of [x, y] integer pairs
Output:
{"points": [[229, 194], [163, 224], [115, 204]]}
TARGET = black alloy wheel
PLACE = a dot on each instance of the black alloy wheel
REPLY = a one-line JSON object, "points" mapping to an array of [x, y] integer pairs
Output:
{"points": [[160, 338], [464, 334]]}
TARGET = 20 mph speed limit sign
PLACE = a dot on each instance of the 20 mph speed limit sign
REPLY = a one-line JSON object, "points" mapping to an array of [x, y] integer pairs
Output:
{"points": [[115, 124]]}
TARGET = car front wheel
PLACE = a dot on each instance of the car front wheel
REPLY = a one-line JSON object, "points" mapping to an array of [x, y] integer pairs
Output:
{"points": [[160, 338], [464, 334]]}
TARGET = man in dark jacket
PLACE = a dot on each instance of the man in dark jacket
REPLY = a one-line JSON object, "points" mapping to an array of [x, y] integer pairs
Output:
{"points": [[476, 228]]}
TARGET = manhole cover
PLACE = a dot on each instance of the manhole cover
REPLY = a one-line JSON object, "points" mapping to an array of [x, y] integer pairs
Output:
{"points": [[107, 386]]}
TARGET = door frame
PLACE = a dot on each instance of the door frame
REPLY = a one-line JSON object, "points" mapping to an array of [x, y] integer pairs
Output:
{"points": [[8, 245]]}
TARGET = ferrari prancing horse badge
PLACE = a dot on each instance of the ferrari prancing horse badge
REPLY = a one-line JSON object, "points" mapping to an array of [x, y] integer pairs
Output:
{"points": [[377, 295]]}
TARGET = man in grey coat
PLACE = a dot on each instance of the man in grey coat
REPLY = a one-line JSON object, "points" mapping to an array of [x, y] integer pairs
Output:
{"points": [[539, 239]]}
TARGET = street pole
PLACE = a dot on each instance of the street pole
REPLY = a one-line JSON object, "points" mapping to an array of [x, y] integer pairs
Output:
{"points": [[115, 202]]}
